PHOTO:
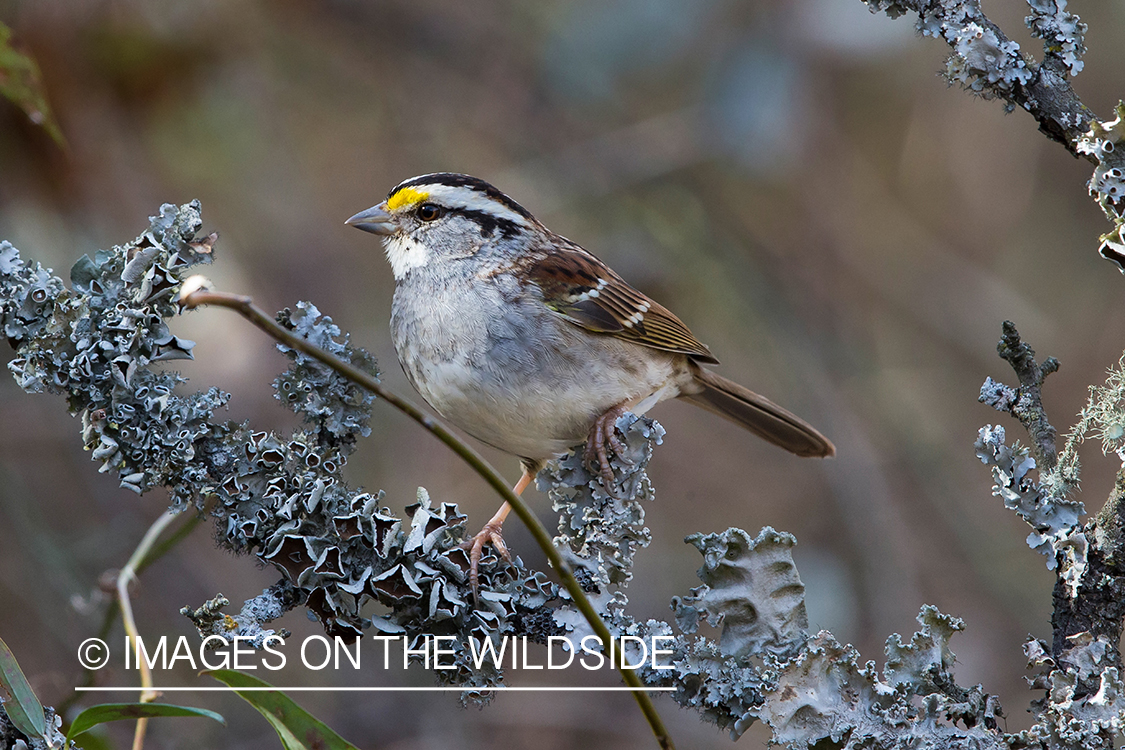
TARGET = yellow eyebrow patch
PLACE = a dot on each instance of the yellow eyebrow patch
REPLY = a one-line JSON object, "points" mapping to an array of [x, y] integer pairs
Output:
{"points": [[408, 196]]}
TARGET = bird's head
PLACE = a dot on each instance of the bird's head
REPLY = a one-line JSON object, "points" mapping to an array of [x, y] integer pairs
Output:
{"points": [[441, 216]]}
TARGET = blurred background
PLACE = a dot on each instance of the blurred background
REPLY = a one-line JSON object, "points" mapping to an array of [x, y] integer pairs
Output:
{"points": [[792, 178]]}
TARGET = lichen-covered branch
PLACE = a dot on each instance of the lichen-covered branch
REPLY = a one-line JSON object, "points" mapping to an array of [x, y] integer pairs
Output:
{"points": [[337, 548], [263, 609], [1105, 142], [987, 62], [1081, 668], [1026, 403]]}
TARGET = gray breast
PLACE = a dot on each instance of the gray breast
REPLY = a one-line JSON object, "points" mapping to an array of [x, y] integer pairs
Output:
{"points": [[495, 361]]}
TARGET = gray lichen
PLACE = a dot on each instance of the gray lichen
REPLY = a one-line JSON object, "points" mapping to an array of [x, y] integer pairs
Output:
{"points": [[750, 588], [1054, 519], [1105, 143], [268, 606], [599, 532], [983, 60], [281, 498], [824, 694], [95, 344], [1062, 32], [13, 739], [1080, 670], [1083, 705]]}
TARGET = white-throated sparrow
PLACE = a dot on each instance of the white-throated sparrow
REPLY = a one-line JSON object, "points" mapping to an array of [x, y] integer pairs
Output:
{"points": [[531, 344]]}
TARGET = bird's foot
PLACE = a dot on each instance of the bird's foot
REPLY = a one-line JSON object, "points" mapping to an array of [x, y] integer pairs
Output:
{"points": [[490, 534], [603, 434]]}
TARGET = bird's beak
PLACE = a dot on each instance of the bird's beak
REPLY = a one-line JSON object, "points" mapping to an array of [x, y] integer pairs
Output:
{"points": [[374, 220]]}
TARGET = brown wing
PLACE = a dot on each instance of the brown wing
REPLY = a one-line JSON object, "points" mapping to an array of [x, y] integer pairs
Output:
{"points": [[588, 292]]}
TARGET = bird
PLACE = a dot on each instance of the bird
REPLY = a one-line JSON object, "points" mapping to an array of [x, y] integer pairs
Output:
{"points": [[531, 344]]}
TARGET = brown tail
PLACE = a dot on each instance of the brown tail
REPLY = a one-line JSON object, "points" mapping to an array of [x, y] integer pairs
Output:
{"points": [[758, 414]]}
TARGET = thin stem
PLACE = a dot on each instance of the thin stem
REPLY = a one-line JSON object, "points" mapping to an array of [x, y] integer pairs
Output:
{"points": [[127, 575], [111, 609], [244, 306], [158, 551]]}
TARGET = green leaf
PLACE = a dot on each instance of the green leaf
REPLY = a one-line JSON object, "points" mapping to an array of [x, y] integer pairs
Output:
{"points": [[95, 715], [21, 84], [23, 708], [297, 728]]}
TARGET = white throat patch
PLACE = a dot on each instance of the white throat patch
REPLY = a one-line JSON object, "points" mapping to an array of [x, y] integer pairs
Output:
{"points": [[405, 254]]}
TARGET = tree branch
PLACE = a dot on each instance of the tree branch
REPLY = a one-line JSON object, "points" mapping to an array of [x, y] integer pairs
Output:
{"points": [[1026, 404], [1081, 668], [988, 63]]}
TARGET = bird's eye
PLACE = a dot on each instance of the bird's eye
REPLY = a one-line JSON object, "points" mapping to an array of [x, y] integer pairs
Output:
{"points": [[428, 212]]}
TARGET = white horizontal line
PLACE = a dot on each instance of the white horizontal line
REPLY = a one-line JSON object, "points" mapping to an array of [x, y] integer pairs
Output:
{"points": [[423, 689]]}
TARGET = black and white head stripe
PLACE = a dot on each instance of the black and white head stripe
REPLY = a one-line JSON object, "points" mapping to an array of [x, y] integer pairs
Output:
{"points": [[459, 193]]}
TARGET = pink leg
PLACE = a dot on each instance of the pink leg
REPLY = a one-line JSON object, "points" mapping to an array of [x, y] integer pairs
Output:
{"points": [[490, 534]]}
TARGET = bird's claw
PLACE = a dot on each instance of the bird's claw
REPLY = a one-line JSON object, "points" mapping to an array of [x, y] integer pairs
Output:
{"points": [[490, 534], [603, 433]]}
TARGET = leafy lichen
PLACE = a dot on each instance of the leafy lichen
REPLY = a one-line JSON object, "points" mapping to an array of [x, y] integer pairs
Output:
{"points": [[1105, 142]]}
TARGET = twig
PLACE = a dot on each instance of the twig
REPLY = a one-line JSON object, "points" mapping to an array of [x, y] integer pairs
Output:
{"points": [[1050, 99], [195, 292], [987, 62], [127, 575], [111, 610], [1027, 404]]}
